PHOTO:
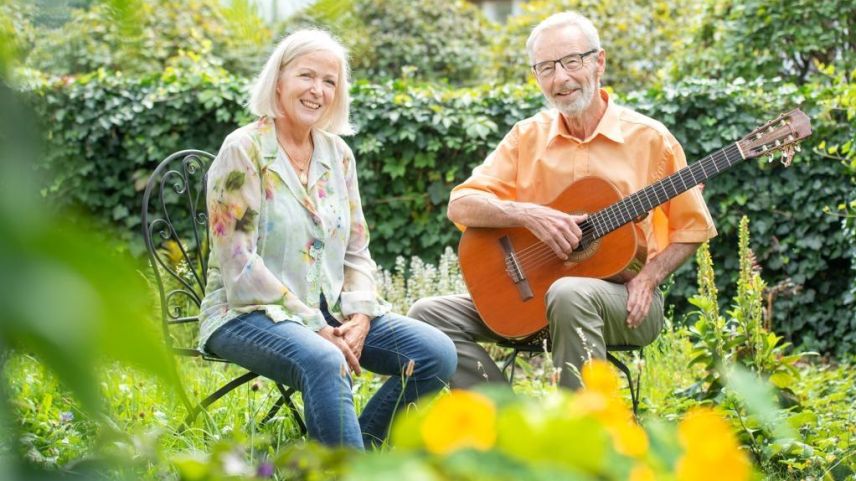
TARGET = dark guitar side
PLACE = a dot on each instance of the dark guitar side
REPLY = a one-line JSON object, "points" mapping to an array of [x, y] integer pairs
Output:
{"points": [[496, 296]]}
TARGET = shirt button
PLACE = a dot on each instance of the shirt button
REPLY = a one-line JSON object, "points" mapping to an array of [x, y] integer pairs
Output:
{"points": [[316, 220], [317, 244]]}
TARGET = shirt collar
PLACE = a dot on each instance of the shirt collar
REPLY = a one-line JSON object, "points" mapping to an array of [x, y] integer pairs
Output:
{"points": [[270, 146], [319, 165], [609, 125]]}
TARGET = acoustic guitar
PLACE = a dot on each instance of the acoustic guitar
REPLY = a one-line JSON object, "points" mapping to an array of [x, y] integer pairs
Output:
{"points": [[508, 270]]}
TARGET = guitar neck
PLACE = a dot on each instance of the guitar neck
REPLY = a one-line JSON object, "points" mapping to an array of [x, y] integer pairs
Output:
{"points": [[640, 203]]}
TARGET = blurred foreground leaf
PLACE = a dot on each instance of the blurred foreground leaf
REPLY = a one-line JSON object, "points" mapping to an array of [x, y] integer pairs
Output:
{"points": [[68, 296]]}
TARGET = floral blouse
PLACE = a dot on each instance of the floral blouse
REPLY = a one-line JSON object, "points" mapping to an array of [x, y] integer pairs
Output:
{"points": [[277, 246]]}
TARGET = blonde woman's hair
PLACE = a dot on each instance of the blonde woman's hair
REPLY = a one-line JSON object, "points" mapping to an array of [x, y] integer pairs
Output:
{"points": [[263, 97]]}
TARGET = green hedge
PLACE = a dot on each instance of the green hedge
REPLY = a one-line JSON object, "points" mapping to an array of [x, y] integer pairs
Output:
{"points": [[106, 133]]}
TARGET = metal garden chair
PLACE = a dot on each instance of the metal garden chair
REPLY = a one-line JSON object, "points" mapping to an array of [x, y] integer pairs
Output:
{"points": [[540, 343], [175, 229]]}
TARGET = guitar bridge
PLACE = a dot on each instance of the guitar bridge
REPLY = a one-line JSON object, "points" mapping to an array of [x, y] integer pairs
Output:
{"points": [[514, 271]]}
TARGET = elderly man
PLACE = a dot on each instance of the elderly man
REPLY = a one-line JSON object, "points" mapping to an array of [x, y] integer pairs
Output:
{"points": [[584, 134]]}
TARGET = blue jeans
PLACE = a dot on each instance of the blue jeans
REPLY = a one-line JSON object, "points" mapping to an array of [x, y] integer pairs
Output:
{"points": [[292, 354]]}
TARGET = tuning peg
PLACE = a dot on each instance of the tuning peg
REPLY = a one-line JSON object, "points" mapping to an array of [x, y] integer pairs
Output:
{"points": [[770, 158], [787, 155], [797, 147]]}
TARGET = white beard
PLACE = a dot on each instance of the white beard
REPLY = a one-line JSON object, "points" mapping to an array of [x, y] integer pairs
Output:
{"points": [[576, 107]]}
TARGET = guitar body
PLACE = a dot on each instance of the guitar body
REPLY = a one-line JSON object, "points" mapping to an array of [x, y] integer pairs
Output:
{"points": [[508, 308]]}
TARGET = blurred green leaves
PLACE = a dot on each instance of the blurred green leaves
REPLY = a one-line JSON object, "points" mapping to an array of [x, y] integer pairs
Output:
{"points": [[69, 296]]}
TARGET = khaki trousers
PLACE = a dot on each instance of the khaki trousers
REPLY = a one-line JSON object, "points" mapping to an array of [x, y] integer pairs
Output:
{"points": [[584, 316]]}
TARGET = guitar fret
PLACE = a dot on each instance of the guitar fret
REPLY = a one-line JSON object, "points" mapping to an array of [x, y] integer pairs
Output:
{"points": [[681, 176], [690, 170], [635, 205], [626, 211]]}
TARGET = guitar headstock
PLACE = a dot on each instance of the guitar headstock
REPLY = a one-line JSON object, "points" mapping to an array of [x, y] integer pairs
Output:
{"points": [[783, 134]]}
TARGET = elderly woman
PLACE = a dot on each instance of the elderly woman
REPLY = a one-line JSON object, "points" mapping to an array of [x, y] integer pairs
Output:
{"points": [[291, 294]]}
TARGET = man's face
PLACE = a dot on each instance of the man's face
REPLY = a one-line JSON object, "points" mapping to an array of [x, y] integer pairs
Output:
{"points": [[570, 92]]}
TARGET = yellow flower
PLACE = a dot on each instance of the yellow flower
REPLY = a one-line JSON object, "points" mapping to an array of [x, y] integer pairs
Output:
{"points": [[642, 472], [609, 410], [601, 399], [629, 439], [173, 252], [460, 420], [598, 376], [711, 451]]}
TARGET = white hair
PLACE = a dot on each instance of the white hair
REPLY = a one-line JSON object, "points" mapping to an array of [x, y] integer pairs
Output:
{"points": [[563, 19], [263, 97]]}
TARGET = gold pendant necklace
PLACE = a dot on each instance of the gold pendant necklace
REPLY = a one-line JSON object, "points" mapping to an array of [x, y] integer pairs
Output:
{"points": [[302, 172]]}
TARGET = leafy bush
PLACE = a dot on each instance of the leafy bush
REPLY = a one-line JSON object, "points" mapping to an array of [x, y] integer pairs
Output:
{"points": [[639, 37], [427, 40], [769, 38], [143, 37]]}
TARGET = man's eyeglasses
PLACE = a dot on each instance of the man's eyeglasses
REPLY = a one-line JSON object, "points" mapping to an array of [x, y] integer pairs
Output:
{"points": [[570, 63]]}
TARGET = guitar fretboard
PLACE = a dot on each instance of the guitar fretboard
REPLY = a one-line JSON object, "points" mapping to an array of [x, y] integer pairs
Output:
{"points": [[641, 202]]}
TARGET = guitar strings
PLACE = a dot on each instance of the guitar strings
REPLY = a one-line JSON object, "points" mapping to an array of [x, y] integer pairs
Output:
{"points": [[611, 214], [539, 253]]}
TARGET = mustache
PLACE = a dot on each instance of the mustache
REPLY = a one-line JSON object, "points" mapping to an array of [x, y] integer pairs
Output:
{"points": [[567, 87]]}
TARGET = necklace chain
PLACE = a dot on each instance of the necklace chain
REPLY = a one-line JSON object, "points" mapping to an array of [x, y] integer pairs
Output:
{"points": [[302, 172]]}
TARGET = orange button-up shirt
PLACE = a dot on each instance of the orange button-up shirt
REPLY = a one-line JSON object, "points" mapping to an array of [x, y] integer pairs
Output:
{"points": [[538, 159]]}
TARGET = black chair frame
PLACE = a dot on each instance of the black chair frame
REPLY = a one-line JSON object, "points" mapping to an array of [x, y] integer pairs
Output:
{"points": [[540, 343], [175, 193]]}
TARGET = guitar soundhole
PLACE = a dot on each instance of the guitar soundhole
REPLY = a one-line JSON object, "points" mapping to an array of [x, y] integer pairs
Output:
{"points": [[586, 252]]}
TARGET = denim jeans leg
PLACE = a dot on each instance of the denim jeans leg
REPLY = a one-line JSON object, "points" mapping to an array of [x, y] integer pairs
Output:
{"points": [[289, 353], [393, 341]]}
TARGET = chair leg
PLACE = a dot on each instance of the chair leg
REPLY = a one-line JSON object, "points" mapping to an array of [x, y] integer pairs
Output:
{"points": [[285, 398], [228, 387], [634, 389], [509, 361]]}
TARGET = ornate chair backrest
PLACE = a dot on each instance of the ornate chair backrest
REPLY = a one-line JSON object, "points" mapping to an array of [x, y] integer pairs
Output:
{"points": [[175, 229]]}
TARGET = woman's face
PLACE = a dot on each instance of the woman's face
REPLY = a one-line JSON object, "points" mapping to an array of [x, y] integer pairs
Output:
{"points": [[307, 87]]}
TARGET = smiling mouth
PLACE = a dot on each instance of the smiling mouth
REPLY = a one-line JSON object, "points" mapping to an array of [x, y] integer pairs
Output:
{"points": [[310, 105], [565, 93]]}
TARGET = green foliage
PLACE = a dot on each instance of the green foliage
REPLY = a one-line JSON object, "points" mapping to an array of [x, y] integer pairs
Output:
{"points": [[638, 36], [406, 284], [68, 296], [840, 103], [738, 355], [142, 38], [426, 40], [119, 128], [769, 38], [742, 338]]}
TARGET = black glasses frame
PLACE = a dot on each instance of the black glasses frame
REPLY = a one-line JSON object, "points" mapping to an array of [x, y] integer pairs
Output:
{"points": [[580, 57]]}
